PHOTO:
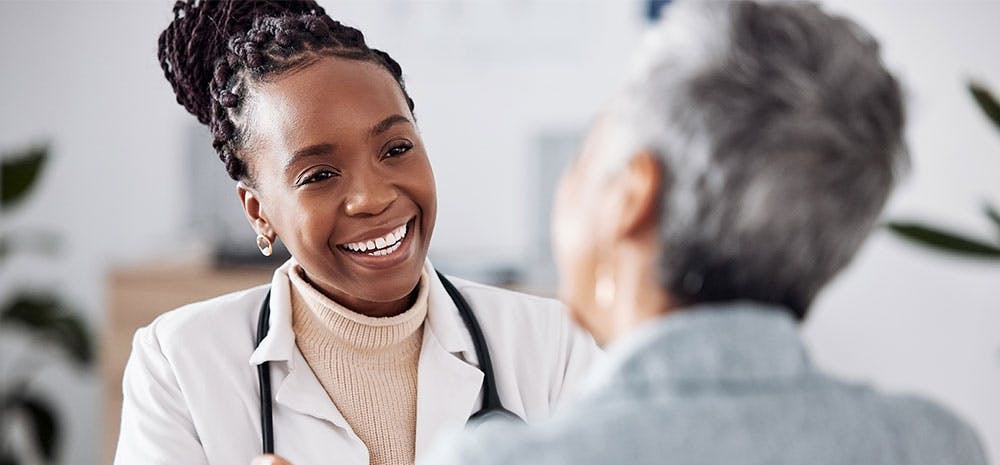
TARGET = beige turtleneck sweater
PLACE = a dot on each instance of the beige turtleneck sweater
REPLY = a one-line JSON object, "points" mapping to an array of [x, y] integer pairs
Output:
{"points": [[367, 365]]}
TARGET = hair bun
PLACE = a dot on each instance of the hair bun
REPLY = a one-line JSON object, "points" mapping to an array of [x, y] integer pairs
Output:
{"points": [[197, 38]]}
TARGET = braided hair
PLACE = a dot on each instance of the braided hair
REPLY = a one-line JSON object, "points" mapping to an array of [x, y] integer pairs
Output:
{"points": [[213, 51]]}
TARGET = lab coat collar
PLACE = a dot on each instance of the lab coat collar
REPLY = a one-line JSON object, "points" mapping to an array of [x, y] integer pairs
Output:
{"points": [[443, 320], [296, 386], [279, 344], [448, 378], [449, 381]]}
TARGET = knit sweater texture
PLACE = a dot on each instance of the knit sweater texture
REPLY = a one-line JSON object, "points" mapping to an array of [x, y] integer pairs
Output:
{"points": [[367, 365]]}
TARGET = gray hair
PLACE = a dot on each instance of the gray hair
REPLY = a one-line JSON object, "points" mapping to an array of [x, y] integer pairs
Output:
{"points": [[779, 131]]}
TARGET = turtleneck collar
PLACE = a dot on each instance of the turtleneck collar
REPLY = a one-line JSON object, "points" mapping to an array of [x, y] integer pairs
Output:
{"points": [[330, 319]]}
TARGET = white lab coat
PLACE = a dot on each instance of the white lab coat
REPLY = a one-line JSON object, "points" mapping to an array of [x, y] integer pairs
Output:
{"points": [[191, 390]]}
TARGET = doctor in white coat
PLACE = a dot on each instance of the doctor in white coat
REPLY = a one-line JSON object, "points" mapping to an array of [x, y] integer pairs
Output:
{"points": [[369, 359], [191, 388]]}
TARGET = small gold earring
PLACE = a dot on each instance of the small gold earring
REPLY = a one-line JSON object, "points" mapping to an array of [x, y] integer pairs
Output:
{"points": [[264, 245]]}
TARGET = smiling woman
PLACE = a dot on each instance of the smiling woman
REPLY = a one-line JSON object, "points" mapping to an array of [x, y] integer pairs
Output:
{"points": [[371, 352]]}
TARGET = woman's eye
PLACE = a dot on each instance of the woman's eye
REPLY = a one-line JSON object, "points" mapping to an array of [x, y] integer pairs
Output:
{"points": [[398, 150], [317, 176]]}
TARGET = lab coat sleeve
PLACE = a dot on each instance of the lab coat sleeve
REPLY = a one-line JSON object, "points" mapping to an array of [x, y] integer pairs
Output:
{"points": [[575, 353], [156, 424]]}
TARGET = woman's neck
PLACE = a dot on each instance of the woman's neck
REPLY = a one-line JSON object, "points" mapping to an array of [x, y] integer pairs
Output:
{"points": [[367, 307]]}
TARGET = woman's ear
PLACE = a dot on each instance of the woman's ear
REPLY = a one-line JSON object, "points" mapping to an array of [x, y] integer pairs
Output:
{"points": [[639, 185], [254, 211]]}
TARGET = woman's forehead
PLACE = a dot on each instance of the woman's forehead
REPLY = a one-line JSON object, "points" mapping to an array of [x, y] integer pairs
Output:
{"points": [[331, 93]]}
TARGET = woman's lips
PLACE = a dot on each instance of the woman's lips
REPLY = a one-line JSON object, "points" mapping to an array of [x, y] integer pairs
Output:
{"points": [[384, 251]]}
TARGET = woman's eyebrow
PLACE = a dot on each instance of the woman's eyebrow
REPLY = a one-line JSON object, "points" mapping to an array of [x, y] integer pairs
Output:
{"points": [[310, 151], [387, 123]]}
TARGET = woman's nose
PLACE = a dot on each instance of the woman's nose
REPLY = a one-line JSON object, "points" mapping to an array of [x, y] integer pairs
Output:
{"points": [[369, 196]]}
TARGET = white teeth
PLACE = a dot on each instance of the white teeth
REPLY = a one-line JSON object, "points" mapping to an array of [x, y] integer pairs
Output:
{"points": [[384, 245], [391, 249]]}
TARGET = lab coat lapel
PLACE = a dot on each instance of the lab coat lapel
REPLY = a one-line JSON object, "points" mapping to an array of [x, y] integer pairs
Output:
{"points": [[448, 378], [295, 385], [303, 393], [449, 381]]}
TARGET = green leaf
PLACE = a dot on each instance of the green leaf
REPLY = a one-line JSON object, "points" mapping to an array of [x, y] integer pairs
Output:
{"points": [[993, 215], [986, 102], [53, 323], [945, 240], [42, 417], [18, 173]]}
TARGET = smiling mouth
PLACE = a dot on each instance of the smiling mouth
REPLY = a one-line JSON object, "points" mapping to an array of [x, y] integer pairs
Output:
{"points": [[378, 246]]}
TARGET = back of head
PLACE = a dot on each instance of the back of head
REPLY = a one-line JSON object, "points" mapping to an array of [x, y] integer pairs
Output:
{"points": [[780, 132]]}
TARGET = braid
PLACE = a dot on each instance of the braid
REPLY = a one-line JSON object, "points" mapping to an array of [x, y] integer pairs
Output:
{"points": [[214, 50]]}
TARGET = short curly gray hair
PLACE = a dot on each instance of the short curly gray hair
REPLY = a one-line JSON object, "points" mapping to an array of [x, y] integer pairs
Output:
{"points": [[780, 134]]}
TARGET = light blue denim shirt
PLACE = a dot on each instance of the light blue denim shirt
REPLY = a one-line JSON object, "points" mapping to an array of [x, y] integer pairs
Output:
{"points": [[723, 384]]}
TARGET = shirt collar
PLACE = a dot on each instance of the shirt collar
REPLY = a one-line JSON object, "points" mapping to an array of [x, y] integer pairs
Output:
{"points": [[730, 343]]}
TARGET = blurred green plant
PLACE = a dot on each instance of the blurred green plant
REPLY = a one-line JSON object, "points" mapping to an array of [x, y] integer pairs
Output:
{"points": [[46, 321], [19, 172], [951, 241]]}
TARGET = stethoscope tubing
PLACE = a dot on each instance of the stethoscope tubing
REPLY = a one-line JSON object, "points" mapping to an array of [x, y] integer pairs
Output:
{"points": [[264, 380], [491, 396]]}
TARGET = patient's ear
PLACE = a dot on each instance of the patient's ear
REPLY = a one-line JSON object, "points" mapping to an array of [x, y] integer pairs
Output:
{"points": [[639, 186]]}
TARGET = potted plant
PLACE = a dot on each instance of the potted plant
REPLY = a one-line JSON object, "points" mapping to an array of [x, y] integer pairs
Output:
{"points": [[955, 242], [29, 425]]}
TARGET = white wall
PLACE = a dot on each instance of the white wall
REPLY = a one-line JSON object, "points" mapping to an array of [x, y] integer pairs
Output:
{"points": [[487, 77], [84, 76], [903, 317]]}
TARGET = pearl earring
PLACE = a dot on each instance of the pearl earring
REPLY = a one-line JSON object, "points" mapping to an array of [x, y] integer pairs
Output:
{"points": [[264, 245]]}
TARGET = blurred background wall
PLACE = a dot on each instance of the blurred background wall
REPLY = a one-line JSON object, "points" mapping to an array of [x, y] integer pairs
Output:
{"points": [[503, 90]]}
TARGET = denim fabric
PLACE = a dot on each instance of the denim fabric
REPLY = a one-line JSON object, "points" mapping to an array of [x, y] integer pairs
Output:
{"points": [[723, 384]]}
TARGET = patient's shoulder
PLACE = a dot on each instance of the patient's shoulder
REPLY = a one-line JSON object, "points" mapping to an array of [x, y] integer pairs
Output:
{"points": [[930, 430]]}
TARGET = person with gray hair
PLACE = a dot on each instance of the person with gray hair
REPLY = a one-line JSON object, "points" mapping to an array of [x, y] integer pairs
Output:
{"points": [[739, 169]]}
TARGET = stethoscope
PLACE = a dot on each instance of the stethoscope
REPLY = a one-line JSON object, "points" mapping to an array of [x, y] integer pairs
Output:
{"points": [[492, 407]]}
